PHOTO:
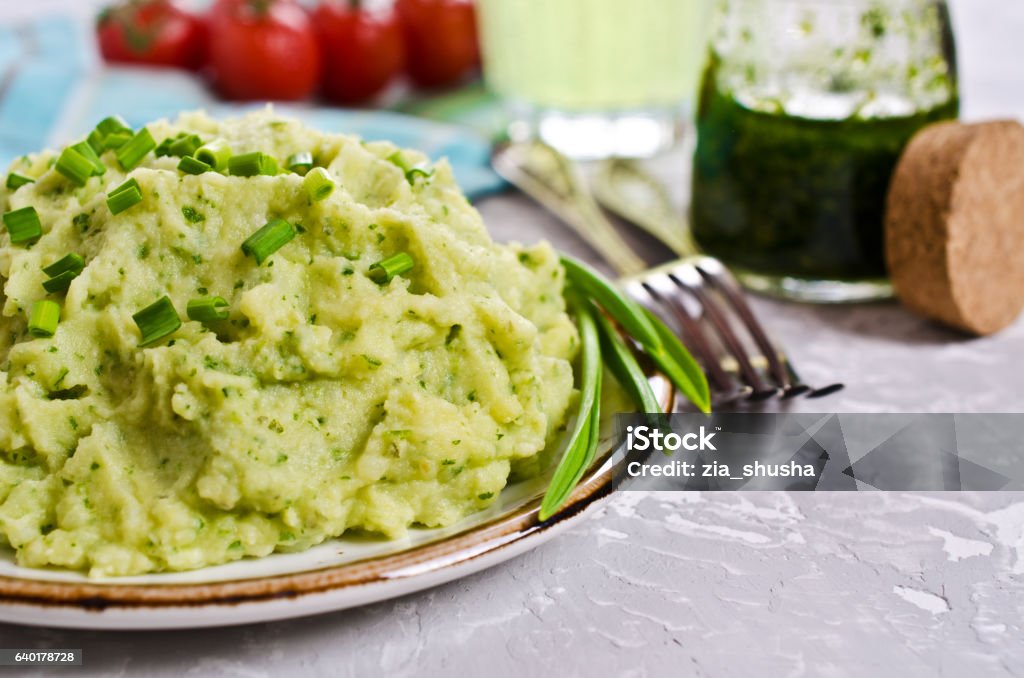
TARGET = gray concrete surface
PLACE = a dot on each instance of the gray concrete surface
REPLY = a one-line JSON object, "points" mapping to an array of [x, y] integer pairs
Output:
{"points": [[766, 584]]}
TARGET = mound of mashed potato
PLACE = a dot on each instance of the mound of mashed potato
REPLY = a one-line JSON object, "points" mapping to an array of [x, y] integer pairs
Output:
{"points": [[326, 402]]}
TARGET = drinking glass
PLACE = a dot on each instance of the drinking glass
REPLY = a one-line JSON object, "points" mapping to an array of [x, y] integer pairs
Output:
{"points": [[595, 78]]}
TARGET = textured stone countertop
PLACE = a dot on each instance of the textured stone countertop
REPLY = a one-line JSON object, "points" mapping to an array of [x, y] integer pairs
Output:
{"points": [[715, 584]]}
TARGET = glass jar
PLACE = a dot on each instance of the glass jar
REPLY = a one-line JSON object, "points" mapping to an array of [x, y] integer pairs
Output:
{"points": [[804, 109]]}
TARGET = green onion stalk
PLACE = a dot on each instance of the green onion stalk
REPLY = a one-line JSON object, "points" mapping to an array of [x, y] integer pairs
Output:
{"points": [[600, 309]]}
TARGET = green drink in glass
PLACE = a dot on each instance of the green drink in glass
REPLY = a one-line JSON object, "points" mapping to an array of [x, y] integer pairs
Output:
{"points": [[595, 78]]}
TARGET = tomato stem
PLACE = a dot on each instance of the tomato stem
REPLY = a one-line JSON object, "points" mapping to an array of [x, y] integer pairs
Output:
{"points": [[260, 7]]}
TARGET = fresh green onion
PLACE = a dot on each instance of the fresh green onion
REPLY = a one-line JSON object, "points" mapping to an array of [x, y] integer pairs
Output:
{"points": [[252, 164], [622, 363], [132, 153], [582, 444], [114, 141], [110, 134], [187, 145], [124, 196], [43, 318], [75, 166], [246, 165], [16, 181], [654, 337], [95, 141], [60, 282], [214, 153], [23, 225], [301, 162], [128, 185], [163, 149], [679, 366], [274, 235], [157, 321], [114, 124], [318, 184], [418, 171], [83, 147], [69, 262], [626, 312], [383, 271], [207, 309], [411, 171], [190, 165]]}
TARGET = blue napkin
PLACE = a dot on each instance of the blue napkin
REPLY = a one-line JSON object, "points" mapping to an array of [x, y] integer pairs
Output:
{"points": [[52, 91]]}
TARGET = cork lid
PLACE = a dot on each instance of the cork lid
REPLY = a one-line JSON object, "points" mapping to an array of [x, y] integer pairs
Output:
{"points": [[955, 224]]}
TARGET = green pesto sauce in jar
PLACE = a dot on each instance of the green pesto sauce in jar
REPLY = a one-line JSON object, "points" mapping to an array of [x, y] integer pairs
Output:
{"points": [[779, 194]]}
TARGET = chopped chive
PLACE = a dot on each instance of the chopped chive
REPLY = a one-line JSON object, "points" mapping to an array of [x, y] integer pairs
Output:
{"points": [[131, 183], [16, 181], [114, 124], [300, 163], [95, 140], [124, 200], [75, 166], [397, 264], [398, 160], [114, 141], [190, 165], [132, 153], [274, 235], [191, 215], [318, 184], [214, 153], [245, 165], [124, 196], [207, 309], [418, 171], [69, 262], [43, 318], [23, 225], [187, 145], [60, 282], [411, 171], [252, 164], [87, 152], [164, 148], [83, 147], [157, 321]]}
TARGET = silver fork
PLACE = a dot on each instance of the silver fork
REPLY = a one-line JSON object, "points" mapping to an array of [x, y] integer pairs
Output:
{"points": [[695, 294]]}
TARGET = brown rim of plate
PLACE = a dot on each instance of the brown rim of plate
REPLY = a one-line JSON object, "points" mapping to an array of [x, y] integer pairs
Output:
{"points": [[462, 548]]}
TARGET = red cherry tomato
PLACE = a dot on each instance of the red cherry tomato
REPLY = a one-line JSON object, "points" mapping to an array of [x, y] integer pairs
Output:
{"points": [[440, 40], [263, 49], [155, 32], [361, 50]]}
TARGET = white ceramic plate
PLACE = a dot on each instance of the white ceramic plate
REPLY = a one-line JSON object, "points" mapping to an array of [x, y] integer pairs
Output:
{"points": [[336, 575]]}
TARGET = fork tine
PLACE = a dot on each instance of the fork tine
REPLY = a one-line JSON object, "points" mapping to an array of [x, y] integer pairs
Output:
{"points": [[646, 292], [688, 278], [719, 277]]}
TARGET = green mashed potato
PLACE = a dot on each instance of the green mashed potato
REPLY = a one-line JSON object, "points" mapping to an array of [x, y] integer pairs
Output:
{"points": [[325, 402]]}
